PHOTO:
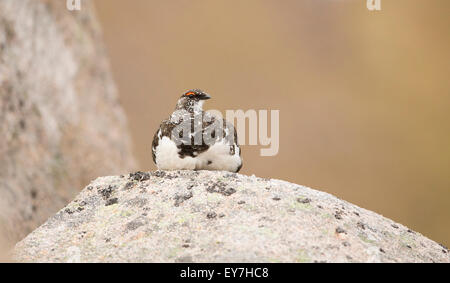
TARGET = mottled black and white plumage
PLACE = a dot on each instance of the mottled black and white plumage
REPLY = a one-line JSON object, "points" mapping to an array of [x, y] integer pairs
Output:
{"points": [[208, 142]]}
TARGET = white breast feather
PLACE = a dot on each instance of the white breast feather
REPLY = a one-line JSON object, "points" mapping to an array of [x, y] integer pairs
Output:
{"points": [[217, 157], [167, 158]]}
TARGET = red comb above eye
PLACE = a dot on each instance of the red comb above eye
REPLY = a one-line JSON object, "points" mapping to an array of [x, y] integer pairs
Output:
{"points": [[190, 93]]}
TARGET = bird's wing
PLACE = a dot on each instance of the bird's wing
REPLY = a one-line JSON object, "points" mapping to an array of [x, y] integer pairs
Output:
{"points": [[165, 130], [206, 130]]}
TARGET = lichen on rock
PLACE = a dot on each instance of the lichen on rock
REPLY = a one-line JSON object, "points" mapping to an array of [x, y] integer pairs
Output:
{"points": [[214, 216]]}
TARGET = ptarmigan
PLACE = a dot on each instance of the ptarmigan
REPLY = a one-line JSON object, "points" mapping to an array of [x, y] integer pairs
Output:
{"points": [[193, 139]]}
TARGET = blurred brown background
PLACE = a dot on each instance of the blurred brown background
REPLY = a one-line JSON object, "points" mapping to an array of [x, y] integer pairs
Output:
{"points": [[363, 96]]}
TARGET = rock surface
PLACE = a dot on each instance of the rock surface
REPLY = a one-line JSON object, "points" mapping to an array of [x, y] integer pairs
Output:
{"points": [[205, 216], [61, 124]]}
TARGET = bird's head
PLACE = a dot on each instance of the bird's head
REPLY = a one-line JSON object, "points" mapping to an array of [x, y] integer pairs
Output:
{"points": [[196, 94], [192, 100]]}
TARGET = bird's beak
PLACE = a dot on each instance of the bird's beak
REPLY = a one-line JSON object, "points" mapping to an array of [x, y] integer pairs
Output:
{"points": [[204, 96]]}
